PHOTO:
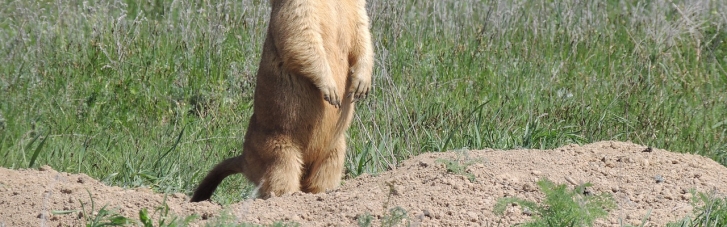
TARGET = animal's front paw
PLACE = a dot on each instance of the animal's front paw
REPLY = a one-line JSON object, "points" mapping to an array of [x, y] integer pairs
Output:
{"points": [[330, 94], [360, 87]]}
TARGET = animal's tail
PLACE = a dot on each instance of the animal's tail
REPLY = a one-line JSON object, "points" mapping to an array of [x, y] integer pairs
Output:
{"points": [[344, 121], [214, 178]]}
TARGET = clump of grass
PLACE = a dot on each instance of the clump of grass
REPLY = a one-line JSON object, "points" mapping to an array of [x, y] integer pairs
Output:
{"points": [[364, 220], [225, 218], [163, 217], [107, 217], [102, 217], [396, 216], [460, 164], [709, 210], [562, 207], [392, 217]]}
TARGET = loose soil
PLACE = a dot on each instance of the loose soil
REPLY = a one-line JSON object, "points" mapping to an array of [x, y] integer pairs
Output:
{"points": [[651, 183]]}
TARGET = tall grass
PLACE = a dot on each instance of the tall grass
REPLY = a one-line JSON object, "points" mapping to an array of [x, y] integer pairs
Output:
{"points": [[156, 92]]}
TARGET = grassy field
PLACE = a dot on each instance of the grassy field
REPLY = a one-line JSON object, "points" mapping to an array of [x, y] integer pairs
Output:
{"points": [[154, 93]]}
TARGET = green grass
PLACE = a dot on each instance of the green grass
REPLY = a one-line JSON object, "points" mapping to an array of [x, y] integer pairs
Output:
{"points": [[709, 210], [155, 93], [395, 216], [561, 206], [159, 217], [459, 165]]}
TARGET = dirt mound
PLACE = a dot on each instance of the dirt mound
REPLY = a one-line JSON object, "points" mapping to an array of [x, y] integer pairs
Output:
{"points": [[640, 180]]}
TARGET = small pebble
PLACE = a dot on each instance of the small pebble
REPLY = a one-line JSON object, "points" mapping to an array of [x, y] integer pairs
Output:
{"points": [[427, 213], [472, 216]]}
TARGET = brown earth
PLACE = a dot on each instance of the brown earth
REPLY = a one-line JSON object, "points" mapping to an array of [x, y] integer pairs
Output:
{"points": [[640, 181]]}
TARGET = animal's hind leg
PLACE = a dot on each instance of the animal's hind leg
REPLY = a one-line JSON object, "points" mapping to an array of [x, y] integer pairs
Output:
{"points": [[326, 172], [283, 173]]}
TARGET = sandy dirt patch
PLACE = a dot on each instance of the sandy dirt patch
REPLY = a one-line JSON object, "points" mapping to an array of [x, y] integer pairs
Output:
{"points": [[640, 180]]}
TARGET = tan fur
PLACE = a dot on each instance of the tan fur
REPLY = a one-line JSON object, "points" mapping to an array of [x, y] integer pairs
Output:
{"points": [[317, 61]]}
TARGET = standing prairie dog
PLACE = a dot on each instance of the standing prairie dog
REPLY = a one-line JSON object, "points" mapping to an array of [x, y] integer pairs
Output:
{"points": [[316, 62]]}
